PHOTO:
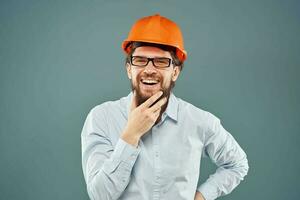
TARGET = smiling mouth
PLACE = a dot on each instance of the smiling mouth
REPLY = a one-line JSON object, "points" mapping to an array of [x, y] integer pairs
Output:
{"points": [[149, 81]]}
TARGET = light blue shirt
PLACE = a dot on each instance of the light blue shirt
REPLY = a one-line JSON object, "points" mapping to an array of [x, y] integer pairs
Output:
{"points": [[166, 163]]}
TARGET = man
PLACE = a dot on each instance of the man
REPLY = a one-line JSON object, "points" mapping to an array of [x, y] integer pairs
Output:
{"points": [[149, 144]]}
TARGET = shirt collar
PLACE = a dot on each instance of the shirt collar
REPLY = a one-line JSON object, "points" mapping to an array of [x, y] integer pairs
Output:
{"points": [[171, 111]]}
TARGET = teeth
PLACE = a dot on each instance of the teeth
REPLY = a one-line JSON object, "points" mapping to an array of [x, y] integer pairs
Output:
{"points": [[149, 81]]}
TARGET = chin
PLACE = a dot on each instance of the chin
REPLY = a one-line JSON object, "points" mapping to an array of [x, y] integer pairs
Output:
{"points": [[143, 96], [148, 94]]}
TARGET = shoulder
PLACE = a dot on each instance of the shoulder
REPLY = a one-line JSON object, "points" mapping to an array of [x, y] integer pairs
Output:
{"points": [[109, 107], [196, 114], [103, 108]]}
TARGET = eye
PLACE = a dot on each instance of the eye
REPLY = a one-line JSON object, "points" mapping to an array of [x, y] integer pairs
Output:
{"points": [[162, 62], [137, 60]]}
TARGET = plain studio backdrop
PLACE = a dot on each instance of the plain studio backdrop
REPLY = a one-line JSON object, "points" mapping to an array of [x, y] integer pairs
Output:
{"points": [[58, 59]]}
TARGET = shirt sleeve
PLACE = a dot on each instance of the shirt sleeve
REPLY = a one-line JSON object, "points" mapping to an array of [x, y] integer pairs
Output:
{"points": [[225, 152], [106, 168]]}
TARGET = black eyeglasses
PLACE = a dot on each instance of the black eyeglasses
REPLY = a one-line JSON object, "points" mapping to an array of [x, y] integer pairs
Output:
{"points": [[160, 62]]}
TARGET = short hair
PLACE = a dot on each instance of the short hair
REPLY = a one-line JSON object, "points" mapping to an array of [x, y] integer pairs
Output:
{"points": [[172, 50]]}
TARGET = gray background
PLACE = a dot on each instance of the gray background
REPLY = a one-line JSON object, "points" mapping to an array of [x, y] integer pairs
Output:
{"points": [[61, 58]]}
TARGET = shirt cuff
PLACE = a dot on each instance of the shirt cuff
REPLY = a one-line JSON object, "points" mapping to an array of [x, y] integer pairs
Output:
{"points": [[125, 152]]}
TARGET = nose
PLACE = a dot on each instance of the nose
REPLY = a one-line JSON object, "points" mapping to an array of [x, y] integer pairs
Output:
{"points": [[150, 68]]}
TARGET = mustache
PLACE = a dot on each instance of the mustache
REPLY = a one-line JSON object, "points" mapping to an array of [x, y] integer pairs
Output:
{"points": [[149, 76]]}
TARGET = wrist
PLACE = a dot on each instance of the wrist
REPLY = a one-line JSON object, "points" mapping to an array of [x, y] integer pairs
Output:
{"points": [[130, 138]]}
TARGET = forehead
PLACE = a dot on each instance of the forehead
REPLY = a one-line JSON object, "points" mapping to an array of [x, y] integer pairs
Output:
{"points": [[149, 51]]}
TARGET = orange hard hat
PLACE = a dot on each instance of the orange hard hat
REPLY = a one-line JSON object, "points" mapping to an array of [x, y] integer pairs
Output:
{"points": [[156, 29]]}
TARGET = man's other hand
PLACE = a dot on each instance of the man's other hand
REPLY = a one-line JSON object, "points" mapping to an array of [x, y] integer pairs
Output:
{"points": [[198, 196]]}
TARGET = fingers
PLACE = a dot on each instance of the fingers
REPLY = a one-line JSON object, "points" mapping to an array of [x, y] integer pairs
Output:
{"points": [[152, 99], [133, 101], [156, 114], [158, 105]]}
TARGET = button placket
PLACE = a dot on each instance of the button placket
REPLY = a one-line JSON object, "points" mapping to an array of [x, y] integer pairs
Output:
{"points": [[156, 187]]}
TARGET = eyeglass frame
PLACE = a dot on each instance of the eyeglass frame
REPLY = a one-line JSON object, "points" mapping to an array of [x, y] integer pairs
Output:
{"points": [[171, 61]]}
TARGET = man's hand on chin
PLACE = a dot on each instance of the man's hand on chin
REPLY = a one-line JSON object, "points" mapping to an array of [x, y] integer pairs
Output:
{"points": [[198, 196]]}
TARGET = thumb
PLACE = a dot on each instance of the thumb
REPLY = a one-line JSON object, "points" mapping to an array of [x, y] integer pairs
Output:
{"points": [[133, 101]]}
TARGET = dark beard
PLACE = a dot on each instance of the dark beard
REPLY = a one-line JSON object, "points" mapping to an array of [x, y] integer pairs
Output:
{"points": [[166, 93], [141, 99]]}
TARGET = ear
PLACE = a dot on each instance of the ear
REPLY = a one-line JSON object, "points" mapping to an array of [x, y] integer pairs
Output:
{"points": [[176, 72], [128, 69]]}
